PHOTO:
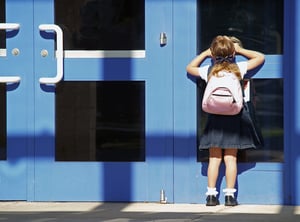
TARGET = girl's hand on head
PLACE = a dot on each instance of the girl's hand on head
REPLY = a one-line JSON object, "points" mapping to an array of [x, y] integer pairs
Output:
{"points": [[208, 52], [237, 48], [237, 44]]}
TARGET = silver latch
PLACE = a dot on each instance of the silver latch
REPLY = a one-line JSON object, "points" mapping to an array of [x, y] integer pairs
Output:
{"points": [[163, 39], [163, 198]]}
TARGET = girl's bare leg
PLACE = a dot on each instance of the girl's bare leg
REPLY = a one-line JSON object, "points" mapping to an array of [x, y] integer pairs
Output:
{"points": [[230, 159], [215, 159]]}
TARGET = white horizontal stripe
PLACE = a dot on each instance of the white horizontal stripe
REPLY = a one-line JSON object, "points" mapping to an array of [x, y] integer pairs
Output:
{"points": [[104, 54]]}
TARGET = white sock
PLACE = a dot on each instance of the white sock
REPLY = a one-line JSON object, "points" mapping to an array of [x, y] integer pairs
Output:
{"points": [[229, 191], [211, 191]]}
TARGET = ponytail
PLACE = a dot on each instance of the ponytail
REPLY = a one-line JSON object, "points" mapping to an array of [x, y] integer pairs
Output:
{"points": [[227, 67]]}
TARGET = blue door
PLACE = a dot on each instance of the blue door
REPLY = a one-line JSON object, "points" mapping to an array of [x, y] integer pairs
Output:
{"points": [[89, 114], [104, 131], [96, 104], [261, 173]]}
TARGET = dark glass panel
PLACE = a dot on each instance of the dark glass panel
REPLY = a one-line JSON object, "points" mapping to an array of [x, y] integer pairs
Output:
{"points": [[257, 23], [100, 121], [102, 24], [267, 97], [2, 20], [3, 134]]}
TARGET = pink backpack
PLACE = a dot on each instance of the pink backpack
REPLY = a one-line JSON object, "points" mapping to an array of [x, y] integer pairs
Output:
{"points": [[223, 95]]}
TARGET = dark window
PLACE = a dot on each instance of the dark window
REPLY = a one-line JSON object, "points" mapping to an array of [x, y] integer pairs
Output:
{"points": [[102, 24], [259, 26], [3, 136], [2, 20], [100, 121], [257, 23], [267, 97]]}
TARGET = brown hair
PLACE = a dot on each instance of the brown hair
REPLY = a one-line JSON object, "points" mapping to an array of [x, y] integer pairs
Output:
{"points": [[222, 50]]}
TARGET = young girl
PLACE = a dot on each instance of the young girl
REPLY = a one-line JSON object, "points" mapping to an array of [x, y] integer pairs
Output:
{"points": [[224, 135]]}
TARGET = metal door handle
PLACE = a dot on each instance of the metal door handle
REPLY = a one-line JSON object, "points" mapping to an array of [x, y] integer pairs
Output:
{"points": [[9, 79], [59, 54], [10, 26]]}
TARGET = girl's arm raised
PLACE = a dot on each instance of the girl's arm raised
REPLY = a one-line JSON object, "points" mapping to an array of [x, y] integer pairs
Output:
{"points": [[255, 58], [192, 67]]}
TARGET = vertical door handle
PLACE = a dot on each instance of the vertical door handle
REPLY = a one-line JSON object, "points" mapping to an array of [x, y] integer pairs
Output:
{"points": [[59, 53], [9, 79]]}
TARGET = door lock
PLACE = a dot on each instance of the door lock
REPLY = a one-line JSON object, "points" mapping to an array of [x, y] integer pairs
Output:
{"points": [[15, 51], [44, 53], [163, 39]]}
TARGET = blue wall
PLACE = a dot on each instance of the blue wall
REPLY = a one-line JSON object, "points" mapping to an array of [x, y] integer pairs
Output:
{"points": [[291, 69]]}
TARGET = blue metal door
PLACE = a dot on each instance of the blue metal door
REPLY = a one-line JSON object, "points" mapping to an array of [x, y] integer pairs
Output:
{"points": [[141, 179], [33, 169], [85, 118], [261, 178]]}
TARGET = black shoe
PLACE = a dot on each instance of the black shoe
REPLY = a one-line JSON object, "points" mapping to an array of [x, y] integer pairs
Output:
{"points": [[230, 201], [212, 200]]}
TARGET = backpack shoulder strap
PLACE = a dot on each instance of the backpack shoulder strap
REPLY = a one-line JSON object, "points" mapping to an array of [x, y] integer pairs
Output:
{"points": [[242, 86]]}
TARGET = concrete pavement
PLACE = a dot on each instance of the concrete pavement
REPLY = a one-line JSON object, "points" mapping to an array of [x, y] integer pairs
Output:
{"points": [[142, 212]]}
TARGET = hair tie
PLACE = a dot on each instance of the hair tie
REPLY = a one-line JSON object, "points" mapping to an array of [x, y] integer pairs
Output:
{"points": [[229, 59]]}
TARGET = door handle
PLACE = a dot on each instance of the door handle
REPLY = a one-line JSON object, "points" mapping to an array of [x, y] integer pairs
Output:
{"points": [[9, 79], [59, 53]]}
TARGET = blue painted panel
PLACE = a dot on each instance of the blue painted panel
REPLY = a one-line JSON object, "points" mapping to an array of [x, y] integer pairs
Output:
{"points": [[14, 171], [190, 176], [188, 180], [260, 187], [292, 123]]}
